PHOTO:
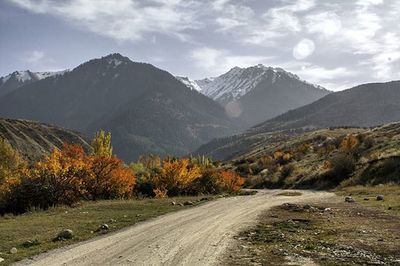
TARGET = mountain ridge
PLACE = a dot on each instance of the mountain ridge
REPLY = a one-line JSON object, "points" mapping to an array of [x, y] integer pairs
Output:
{"points": [[17, 79], [366, 105], [105, 93], [256, 93]]}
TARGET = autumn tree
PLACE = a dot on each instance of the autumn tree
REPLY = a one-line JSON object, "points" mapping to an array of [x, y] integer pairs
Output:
{"points": [[175, 177], [150, 161], [101, 144], [12, 166], [59, 177], [349, 144], [109, 178], [231, 181]]}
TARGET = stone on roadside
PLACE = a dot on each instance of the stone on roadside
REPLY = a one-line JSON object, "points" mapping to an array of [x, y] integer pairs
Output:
{"points": [[349, 199], [104, 227], [1, 260], [188, 203], [30, 243], [380, 197], [65, 234], [173, 203], [13, 250]]}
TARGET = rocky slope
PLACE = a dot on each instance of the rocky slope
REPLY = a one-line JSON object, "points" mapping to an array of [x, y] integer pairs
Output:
{"points": [[33, 139]]}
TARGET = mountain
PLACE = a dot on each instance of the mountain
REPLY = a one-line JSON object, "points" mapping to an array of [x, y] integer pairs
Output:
{"points": [[33, 139], [362, 106], [190, 83], [257, 93], [17, 79], [147, 109]]}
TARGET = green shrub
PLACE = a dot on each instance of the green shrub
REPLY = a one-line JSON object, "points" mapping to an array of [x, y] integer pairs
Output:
{"points": [[287, 170], [342, 166]]}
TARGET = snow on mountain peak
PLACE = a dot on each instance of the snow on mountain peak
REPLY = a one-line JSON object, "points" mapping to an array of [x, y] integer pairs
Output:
{"points": [[235, 83], [191, 84], [23, 76], [238, 81], [114, 62]]}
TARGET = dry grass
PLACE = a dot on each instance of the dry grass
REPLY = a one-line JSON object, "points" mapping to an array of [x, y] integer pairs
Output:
{"points": [[343, 234], [391, 193], [41, 227]]}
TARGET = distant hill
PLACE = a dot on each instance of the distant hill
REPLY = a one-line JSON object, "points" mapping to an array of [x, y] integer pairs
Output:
{"points": [[147, 109], [17, 79], [33, 139], [257, 93], [362, 106]]}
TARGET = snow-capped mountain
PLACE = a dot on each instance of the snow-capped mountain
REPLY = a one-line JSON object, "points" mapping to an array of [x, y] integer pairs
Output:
{"points": [[190, 83], [19, 78], [258, 93], [147, 110]]}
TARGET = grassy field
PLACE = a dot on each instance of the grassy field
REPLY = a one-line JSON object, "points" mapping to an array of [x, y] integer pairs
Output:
{"points": [[366, 232], [42, 226], [390, 204]]}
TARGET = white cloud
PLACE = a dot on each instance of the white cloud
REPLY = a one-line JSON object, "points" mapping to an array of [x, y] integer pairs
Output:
{"points": [[369, 2], [303, 49], [218, 61], [34, 57], [326, 23], [121, 19], [322, 74]]}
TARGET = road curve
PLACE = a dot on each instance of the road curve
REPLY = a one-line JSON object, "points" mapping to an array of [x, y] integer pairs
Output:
{"points": [[195, 236]]}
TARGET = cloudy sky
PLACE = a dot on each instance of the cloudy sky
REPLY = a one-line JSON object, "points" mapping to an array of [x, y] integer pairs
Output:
{"points": [[334, 43]]}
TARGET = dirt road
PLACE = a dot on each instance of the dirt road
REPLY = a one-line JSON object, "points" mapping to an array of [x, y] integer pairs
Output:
{"points": [[195, 236]]}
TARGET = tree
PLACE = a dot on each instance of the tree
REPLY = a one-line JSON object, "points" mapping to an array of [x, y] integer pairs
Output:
{"points": [[231, 181], [61, 176], [175, 176], [12, 167], [101, 144], [349, 144], [109, 178], [150, 161]]}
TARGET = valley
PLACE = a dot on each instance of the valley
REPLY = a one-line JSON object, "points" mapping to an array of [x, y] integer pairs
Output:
{"points": [[114, 149]]}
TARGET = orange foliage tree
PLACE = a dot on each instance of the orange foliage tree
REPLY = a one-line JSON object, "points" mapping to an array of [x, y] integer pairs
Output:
{"points": [[231, 181], [109, 178], [61, 175], [175, 177], [349, 143]]}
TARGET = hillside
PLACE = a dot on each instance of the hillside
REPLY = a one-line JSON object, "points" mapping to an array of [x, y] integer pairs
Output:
{"points": [[323, 158], [363, 106], [147, 109], [33, 139], [257, 93]]}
